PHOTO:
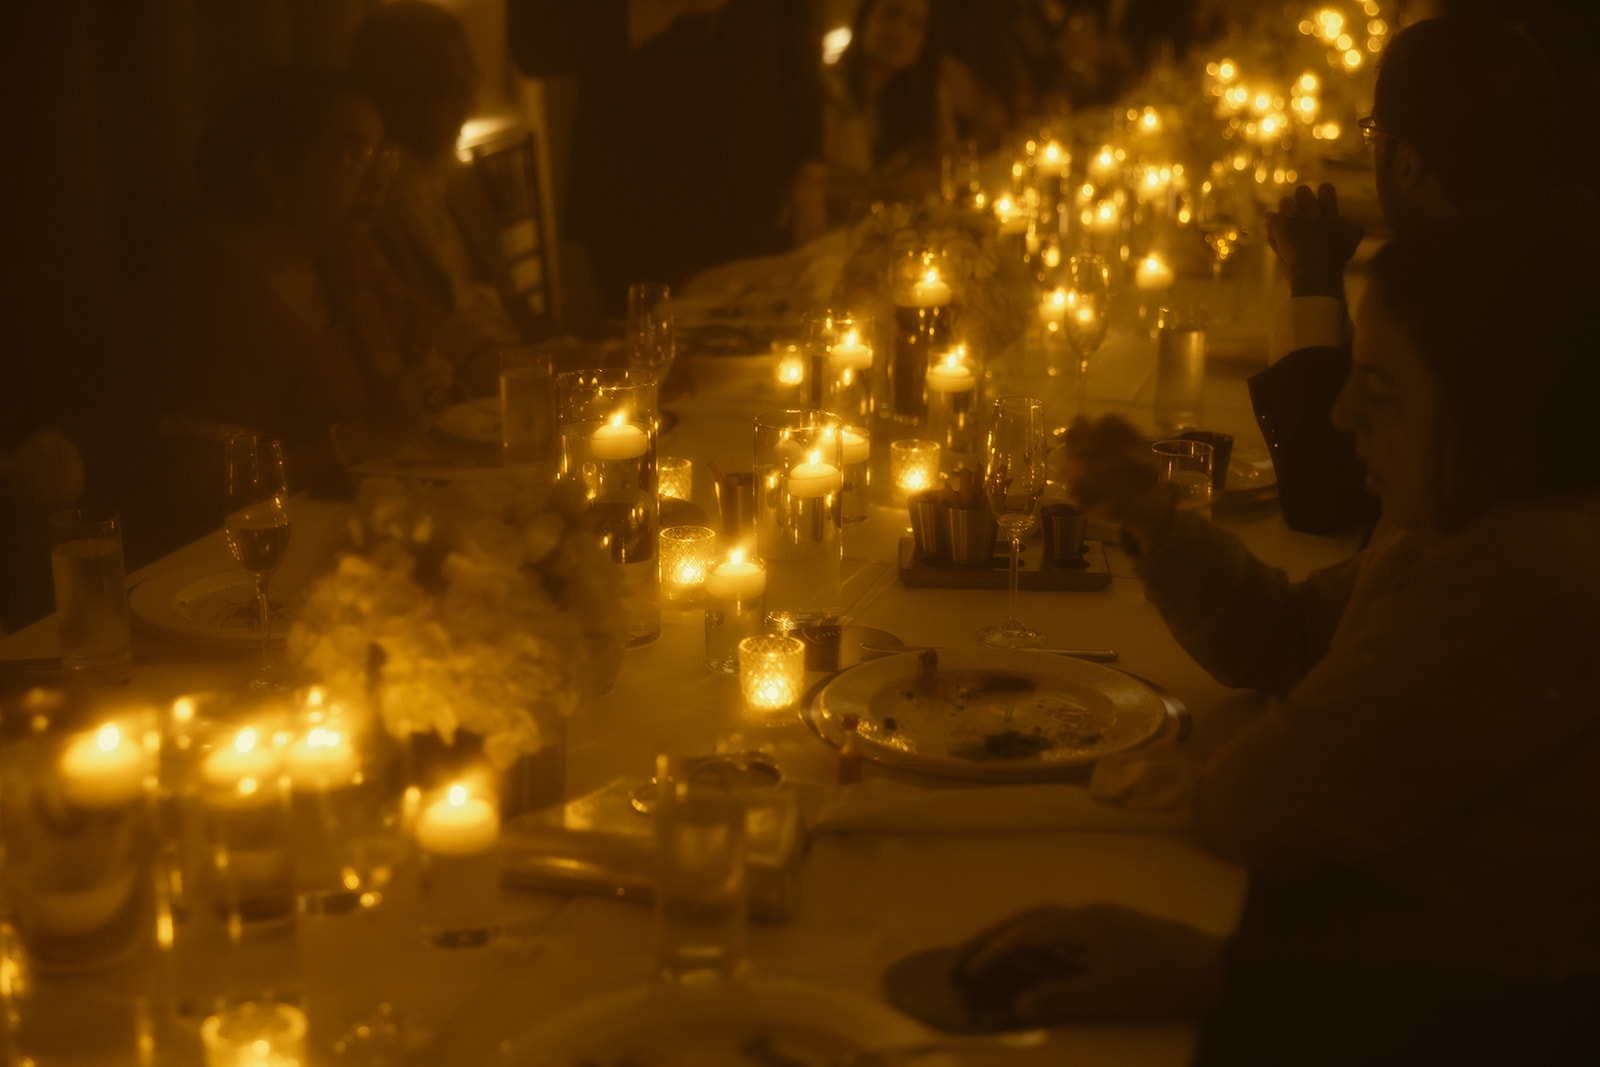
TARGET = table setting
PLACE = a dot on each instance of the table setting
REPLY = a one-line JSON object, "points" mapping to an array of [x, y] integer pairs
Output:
{"points": [[593, 733]]}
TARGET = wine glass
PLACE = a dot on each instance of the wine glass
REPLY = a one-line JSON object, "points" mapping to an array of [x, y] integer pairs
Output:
{"points": [[1013, 480], [257, 523], [1221, 220], [650, 337], [1088, 298]]}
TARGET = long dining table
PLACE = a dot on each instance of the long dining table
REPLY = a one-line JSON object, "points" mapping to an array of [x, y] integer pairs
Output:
{"points": [[867, 895]]}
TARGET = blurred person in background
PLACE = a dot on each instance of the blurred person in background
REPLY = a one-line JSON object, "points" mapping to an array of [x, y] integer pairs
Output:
{"points": [[698, 130], [435, 226], [1449, 89], [271, 311]]}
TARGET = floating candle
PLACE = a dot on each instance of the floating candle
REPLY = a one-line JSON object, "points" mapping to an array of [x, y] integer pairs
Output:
{"points": [[458, 824], [1055, 160], [930, 292], [618, 439], [951, 376], [1012, 218], [850, 354], [814, 478], [1053, 308], [1153, 273], [103, 769], [322, 759], [246, 764], [736, 579], [857, 446]]}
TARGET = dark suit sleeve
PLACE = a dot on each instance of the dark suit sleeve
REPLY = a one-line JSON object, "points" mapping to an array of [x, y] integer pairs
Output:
{"points": [[1321, 484], [551, 38]]}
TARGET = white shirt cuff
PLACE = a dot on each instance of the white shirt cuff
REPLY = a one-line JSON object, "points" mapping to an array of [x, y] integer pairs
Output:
{"points": [[1308, 322]]}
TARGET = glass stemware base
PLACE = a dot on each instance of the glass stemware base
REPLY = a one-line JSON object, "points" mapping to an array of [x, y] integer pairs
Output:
{"points": [[1010, 634]]}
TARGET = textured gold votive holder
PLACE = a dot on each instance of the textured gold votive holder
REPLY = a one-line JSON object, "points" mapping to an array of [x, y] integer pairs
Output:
{"points": [[252, 1033], [913, 467], [771, 671], [687, 552], [676, 478]]}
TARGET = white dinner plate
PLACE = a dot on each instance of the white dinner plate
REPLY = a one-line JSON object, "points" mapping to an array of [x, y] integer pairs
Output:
{"points": [[740, 1024], [206, 604], [989, 714], [477, 421]]}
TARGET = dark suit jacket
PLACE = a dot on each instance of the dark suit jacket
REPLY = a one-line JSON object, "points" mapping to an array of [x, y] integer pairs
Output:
{"points": [[1321, 483]]}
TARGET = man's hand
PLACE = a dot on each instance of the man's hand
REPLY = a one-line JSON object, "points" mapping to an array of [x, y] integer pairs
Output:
{"points": [[1100, 962], [1108, 467], [1313, 241]]}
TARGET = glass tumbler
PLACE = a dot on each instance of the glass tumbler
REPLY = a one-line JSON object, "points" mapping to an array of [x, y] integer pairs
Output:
{"points": [[799, 511], [608, 446], [91, 594], [527, 407]]}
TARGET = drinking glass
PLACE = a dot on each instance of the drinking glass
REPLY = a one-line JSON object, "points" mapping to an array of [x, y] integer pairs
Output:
{"points": [[650, 337], [1088, 299], [1220, 218], [257, 523], [91, 597], [1187, 466], [1014, 478], [701, 885]]}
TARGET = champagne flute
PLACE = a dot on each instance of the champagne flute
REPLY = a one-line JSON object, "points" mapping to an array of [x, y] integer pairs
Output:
{"points": [[1013, 480], [257, 523], [650, 336], [1088, 299]]}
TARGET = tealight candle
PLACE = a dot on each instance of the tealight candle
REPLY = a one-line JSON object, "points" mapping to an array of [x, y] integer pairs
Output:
{"points": [[1153, 273], [676, 476], [791, 367], [618, 439], [951, 376], [1053, 309], [1104, 218], [814, 478], [1012, 218], [686, 553], [737, 578], [850, 354], [458, 824], [255, 1035], [323, 759], [1054, 159], [930, 292], [103, 769], [1103, 167], [913, 466], [771, 671]]}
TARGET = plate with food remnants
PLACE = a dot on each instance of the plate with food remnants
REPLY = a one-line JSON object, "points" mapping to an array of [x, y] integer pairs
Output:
{"points": [[988, 714]]}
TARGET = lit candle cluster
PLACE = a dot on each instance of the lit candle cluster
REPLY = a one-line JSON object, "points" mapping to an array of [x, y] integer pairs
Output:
{"points": [[686, 552], [771, 671]]}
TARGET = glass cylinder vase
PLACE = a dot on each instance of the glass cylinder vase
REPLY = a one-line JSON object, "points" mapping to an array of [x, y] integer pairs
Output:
{"points": [[920, 286], [799, 511], [608, 445]]}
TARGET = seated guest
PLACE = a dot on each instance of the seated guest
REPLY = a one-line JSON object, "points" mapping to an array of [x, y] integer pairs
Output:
{"points": [[895, 103], [1419, 807], [272, 312], [435, 227], [1447, 91]]}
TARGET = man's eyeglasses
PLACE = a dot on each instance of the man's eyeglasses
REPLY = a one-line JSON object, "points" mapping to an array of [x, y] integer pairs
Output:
{"points": [[1370, 132]]}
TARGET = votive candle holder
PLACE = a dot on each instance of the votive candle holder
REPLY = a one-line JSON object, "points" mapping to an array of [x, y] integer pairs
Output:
{"points": [[252, 1034], [687, 552], [913, 467], [676, 478], [772, 671]]}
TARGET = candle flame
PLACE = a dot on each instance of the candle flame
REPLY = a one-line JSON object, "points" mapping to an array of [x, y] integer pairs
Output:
{"points": [[1059, 298], [736, 556], [108, 738], [457, 796], [248, 786], [320, 738], [850, 338], [1152, 262], [314, 697], [618, 420], [932, 277], [814, 458], [952, 359], [245, 741], [182, 709]]}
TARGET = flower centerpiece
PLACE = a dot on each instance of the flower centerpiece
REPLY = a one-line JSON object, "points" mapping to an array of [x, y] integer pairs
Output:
{"points": [[472, 617]]}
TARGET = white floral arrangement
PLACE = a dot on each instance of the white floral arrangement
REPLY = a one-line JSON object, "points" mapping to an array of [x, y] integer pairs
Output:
{"points": [[995, 295], [478, 605]]}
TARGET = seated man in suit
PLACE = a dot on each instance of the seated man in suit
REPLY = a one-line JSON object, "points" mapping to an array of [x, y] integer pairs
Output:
{"points": [[435, 226], [1461, 117]]}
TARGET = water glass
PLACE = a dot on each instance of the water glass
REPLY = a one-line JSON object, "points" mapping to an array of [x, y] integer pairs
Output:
{"points": [[702, 885], [527, 407], [1188, 467], [799, 513], [1180, 367], [458, 837], [650, 332], [91, 594], [608, 446]]}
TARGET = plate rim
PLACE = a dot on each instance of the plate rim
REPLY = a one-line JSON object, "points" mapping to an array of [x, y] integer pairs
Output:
{"points": [[1019, 771], [477, 439], [164, 586]]}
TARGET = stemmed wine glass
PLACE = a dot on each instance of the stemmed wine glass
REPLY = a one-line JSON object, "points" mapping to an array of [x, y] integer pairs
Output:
{"points": [[1013, 480], [1088, 302], [257, 523], [1219, 220]]}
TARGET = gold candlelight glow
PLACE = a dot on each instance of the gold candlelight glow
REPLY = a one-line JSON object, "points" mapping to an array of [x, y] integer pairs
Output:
{"points": [[913, 466], [771, 671], [686, 554], [676, 476]]}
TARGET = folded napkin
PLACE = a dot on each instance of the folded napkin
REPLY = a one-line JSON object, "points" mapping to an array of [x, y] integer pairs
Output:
{"points": [[1143, 791]]}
